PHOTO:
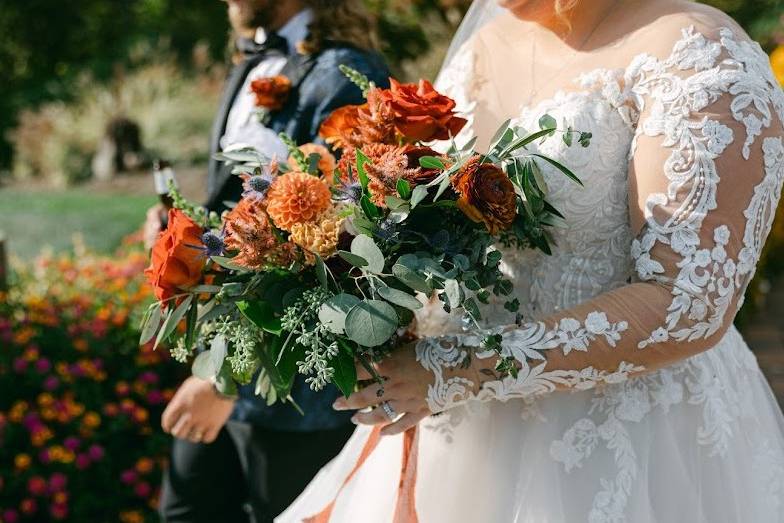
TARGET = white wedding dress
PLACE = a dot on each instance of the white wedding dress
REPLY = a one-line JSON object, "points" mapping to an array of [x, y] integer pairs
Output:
{"points": [[637, 399]]}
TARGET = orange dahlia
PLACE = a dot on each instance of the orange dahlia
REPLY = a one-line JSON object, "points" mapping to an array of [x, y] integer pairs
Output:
{"points": [[296, 197], [249, 232]]}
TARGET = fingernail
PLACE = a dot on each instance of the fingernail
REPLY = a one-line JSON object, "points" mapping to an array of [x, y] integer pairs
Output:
{"points": [[354, 420], [339, 405]]}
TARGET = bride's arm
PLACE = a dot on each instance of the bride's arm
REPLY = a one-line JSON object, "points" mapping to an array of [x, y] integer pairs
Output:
{"points": [[705, 176]]}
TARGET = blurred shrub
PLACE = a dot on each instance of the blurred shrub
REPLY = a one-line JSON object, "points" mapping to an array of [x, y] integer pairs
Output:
{"points": [[173, 108], [79, 402]]}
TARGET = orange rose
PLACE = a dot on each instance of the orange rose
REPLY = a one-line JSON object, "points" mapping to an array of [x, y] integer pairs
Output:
{"points": [[486, 194], [339, 127], [176, 261], [271, 92], [420, 113]]}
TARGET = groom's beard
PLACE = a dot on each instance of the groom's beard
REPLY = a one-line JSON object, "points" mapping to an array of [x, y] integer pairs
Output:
{"points": [[247, 15]]}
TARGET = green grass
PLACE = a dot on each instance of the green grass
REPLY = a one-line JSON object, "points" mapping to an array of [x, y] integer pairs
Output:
{"points": [[33, 219]]}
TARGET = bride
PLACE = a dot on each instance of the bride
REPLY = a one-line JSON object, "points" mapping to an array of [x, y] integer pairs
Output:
{"points": [[636, 399]]}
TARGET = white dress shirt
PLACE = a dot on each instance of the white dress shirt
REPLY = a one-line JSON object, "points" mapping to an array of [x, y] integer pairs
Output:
{"points": [[243, 126]]}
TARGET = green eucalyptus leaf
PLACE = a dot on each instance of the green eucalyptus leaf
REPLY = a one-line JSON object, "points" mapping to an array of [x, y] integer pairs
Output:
{"points": [[453, 292], [203, 367], [547, 122], [364, 247], [419, 193], [400, 298], [333, 312], [173, 319], [353, 259], [219, 349], [371, 323], [150, 323], [406, 269], [224, 381]]}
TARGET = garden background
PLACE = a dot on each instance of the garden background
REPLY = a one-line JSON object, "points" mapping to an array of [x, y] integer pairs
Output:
{"points": [[91, 92]]}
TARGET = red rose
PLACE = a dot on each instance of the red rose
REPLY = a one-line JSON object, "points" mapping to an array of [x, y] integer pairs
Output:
{"points": [[420, 113], [176, 260], [271, 92]]}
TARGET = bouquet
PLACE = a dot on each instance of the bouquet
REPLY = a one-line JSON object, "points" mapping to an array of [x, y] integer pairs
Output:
{"points": [[323, 262]]}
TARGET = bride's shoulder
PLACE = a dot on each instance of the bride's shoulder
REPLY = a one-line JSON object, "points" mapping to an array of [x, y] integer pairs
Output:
{"points": [[666, 26]]}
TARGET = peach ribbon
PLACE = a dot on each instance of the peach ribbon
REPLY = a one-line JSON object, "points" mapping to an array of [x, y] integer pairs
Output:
{"points": [[405, 508]]}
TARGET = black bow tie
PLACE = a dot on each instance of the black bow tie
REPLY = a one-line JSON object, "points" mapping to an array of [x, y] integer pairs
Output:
{"points": [[274, 43]]}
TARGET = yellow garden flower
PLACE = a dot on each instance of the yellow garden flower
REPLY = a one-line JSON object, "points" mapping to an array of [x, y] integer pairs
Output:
{"points": [[777, 63], [22, 461], [319, 237]]}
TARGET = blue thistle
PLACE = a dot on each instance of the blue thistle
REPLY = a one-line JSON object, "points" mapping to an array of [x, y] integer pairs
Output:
{"points": [[255, 186]]}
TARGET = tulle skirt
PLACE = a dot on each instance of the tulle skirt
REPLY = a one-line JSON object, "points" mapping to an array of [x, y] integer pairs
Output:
{"points": [[702, 441]]}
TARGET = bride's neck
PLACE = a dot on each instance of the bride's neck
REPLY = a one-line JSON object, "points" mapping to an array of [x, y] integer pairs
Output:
{"points": [[573, 27]]}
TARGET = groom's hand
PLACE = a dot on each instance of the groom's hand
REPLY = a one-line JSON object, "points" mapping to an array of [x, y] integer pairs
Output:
{"points": [[153, 225], [196, 412]]}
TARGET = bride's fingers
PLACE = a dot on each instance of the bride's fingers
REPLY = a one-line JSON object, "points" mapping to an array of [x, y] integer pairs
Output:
{"points": [[362, 372], [377, 416], [367, 397], [408, 420]]}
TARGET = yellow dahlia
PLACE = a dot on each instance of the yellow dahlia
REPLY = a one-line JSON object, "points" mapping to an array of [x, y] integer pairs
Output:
{"points": [[296, 197], [320, 237]]}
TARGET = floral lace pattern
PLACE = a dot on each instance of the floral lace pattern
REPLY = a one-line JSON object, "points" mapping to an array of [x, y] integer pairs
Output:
{"points": [[674, 100]]}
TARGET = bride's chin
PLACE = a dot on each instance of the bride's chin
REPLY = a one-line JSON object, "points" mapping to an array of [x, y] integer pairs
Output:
{"points": [[529, 9]]}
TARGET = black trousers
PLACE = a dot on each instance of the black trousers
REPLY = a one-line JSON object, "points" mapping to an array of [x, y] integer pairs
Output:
{"points": [[248, 474]]}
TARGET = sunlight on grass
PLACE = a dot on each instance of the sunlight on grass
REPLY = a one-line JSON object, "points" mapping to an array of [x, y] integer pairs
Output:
{"points": [[34, 219]]}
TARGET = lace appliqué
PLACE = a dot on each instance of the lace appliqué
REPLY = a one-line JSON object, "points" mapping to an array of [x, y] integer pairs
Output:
{"points": [[526, 345], [708, 279]]}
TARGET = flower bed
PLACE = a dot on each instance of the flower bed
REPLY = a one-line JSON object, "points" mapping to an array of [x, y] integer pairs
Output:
{"points": [[80, 403]]}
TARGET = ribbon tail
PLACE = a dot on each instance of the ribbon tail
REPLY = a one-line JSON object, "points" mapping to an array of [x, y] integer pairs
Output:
{"points": [[370, 446], [405, 511]]}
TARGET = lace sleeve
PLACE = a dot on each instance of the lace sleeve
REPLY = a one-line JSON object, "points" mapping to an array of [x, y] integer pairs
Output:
{"points": [[705, 175]]}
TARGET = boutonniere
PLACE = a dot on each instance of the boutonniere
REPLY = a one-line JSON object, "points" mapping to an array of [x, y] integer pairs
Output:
{"points": [[271, 93]]}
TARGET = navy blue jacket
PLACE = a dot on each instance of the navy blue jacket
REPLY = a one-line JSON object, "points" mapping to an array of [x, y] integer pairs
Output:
{"points": [[318, 88]]}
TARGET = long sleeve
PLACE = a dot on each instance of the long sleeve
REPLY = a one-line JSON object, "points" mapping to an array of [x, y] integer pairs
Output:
{"points": [[705, 174]]}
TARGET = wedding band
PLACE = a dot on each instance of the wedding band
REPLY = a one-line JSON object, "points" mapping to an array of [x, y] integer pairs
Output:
{"points": [[389, 411], [197, 436]]}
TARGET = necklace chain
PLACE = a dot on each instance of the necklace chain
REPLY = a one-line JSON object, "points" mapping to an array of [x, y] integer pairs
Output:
{"points": [[567, 63]]}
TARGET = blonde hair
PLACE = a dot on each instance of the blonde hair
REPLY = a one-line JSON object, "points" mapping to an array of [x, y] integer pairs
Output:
{"points": [[562, 8]]}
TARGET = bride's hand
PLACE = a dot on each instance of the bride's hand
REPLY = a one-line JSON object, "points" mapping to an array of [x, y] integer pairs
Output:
{"points": [[405, 390]]}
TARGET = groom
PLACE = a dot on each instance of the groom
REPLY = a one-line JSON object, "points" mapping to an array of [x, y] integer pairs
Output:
{"points": [[240, 460]]}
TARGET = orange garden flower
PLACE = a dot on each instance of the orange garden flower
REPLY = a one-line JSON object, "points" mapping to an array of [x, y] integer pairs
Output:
{"points": [[296, 197], [326, 164], [486, 194], [388, 164], [359, 125], [249, 232], [420, 113], [271, 92], [176, 261]]}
